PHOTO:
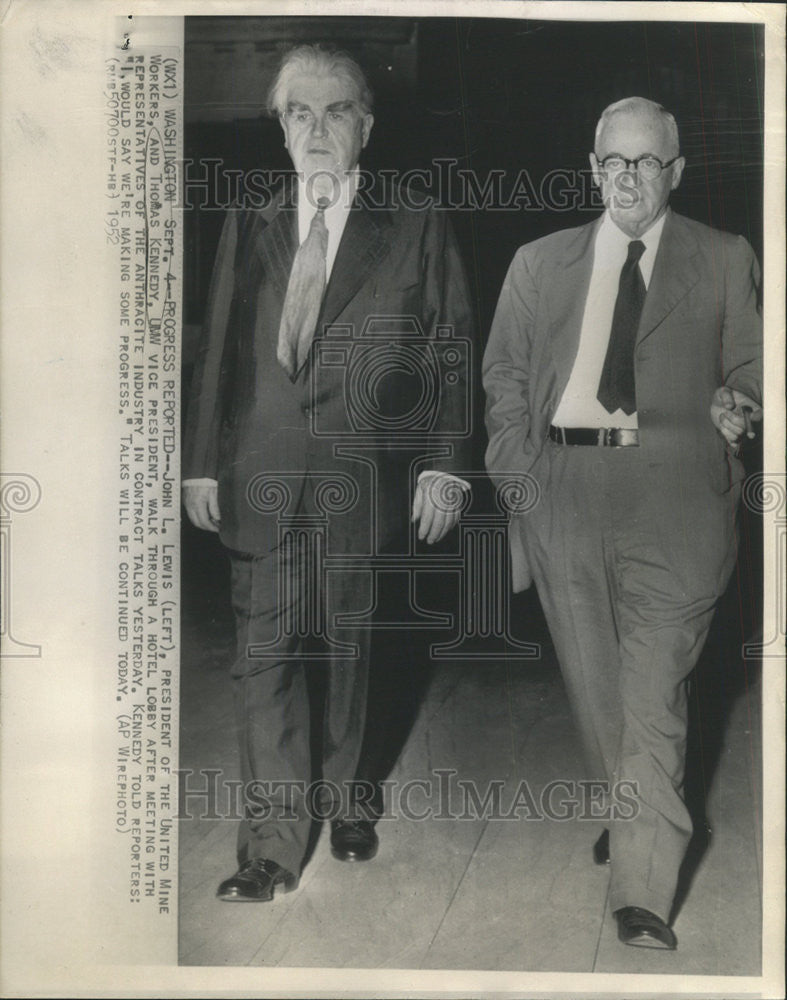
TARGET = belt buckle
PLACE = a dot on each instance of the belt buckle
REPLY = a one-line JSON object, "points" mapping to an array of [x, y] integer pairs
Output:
{"points": [[603, 436]]}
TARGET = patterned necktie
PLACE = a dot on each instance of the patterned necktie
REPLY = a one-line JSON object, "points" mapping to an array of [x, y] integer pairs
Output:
{"points": [[305, 290], [616, 388]]}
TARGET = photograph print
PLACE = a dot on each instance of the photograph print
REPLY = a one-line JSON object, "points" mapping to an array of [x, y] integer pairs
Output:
{"points": [[471, 551]]}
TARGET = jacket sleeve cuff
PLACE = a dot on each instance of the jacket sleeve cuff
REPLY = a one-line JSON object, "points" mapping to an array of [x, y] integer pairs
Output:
{"points": [[433, 472]]}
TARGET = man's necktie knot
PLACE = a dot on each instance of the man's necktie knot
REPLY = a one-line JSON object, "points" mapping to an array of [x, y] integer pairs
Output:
{"points": [[616, 388], [636, 250], [318, 231]]}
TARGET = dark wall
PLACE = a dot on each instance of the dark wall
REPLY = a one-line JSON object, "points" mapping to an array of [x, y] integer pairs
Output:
{"points": [[528, 94]]}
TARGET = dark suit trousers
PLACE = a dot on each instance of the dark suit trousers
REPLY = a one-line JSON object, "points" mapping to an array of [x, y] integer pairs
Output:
{"points": [[628, 573], [279, 604]]}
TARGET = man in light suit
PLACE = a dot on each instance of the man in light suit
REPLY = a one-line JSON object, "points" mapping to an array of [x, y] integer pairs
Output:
{"points": [[273, 416], [622, 369]]}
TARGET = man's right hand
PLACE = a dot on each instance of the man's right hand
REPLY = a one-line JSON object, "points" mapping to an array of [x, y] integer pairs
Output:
{"points": [[727, 411], [202, 505]]}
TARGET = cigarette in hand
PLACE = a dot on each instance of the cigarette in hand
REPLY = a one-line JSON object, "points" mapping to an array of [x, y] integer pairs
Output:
{"points": [[746, 410]]}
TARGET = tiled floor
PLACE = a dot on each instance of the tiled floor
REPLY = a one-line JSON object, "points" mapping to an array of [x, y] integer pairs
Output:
{"points": [[484, 894]]}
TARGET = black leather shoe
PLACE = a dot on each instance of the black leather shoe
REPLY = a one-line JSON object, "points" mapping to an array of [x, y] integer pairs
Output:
{"points": [[601, 849], [353, 840], [256, 881], [644, 929]]}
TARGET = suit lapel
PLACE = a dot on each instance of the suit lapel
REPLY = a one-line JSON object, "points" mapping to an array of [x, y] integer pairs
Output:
{"points": [[567, 304], [674, 274], [275, 239], [363, 245]]}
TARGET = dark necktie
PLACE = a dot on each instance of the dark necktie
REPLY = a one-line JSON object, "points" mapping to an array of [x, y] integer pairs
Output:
{"points": [[305, 290], [616, 388]]}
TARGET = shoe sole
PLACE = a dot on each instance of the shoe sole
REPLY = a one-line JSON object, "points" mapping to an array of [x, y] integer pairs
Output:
{"points": [[645, 941], [352, 858], [279, 889]]}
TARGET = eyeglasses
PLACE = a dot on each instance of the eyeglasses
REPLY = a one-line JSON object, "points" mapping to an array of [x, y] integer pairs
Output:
{"points": [[648, 167]]}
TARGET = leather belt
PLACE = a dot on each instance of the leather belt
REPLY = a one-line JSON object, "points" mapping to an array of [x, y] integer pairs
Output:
{"points": [[605, 437]]}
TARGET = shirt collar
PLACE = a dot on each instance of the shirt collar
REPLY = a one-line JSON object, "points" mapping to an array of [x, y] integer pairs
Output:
{"points": [[343, 204], [613, 237]]}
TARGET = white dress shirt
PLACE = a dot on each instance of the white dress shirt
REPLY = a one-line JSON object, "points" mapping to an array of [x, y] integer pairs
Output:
{"points": [[336, 215], [578, 405]]}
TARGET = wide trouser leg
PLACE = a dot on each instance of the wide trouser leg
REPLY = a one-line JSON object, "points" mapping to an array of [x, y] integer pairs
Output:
{"points": [[648, 847], [629, 612], [346, 695], [573, 567], [671, 573], [278, 603]]}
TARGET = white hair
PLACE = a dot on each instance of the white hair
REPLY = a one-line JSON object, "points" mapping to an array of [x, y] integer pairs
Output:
{"points": [[313, 60], [640, 106]]}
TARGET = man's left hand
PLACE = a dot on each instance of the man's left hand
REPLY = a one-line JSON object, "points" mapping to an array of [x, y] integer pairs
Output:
{"points": [[437, 506], [732, 413]]}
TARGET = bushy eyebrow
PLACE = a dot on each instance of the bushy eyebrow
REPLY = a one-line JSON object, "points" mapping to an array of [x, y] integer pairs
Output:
{"points": [[336, 106]]}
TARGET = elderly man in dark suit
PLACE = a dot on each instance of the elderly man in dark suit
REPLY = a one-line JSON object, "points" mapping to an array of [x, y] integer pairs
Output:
{"points": [[290, 400], [622, 369]]}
